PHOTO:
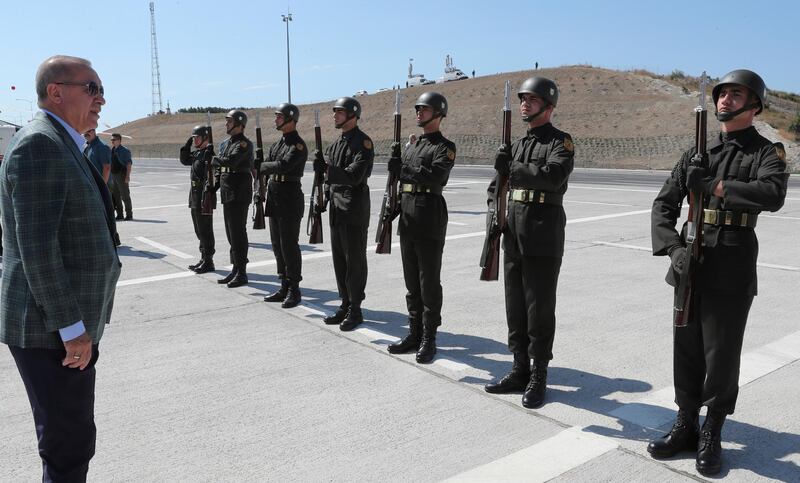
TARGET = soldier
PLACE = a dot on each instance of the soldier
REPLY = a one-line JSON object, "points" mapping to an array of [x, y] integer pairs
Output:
{"points": [[423, 170], [284, 204], [350, 164], [745, 175], [235, 163], [121, 167], [203, 224], [538, 167]]}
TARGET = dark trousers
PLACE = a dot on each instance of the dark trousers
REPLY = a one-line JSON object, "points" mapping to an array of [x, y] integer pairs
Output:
{"points": [[204, 229], [121, 193], [285, 234], [707, 352], [530, 285], [422, 267], [236, 231], [62, 401], [349, 251]]}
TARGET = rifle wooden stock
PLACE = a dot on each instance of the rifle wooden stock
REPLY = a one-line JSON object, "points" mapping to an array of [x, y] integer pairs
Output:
{"points": [[314, 223], [209, 198], [258, 213], [389, 207]]}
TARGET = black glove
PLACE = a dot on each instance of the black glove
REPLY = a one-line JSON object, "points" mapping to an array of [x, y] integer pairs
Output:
{"points": [[395, 151], [320, 209], [502, 160], [696, 180], [256, 198], [395, 163], [320, 166], [189, 142], [678, 257], [215, 162]]}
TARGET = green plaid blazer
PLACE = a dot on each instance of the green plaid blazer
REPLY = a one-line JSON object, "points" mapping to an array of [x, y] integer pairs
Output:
{"points": [[59, 260]]}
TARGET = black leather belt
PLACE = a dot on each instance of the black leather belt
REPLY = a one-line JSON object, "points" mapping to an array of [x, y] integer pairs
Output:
{"points": [[730, 218], [284, 178], [535, 196], [416, 188]]}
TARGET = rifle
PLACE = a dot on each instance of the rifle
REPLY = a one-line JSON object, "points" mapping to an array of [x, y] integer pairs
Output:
{"points": [[496, 215], [209, 199], [261, 186], [694, 226], [314, 223], [389, 205]]}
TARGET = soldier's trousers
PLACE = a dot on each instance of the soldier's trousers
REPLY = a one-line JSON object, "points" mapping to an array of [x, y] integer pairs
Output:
{"points": [[120, 193], [284, 234], [706, 353], [422, 267], [530, 286], [204, 229], [349, 250], [236, 231]]}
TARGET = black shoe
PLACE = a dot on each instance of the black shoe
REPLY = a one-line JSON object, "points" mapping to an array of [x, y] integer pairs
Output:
{"points": [[338, 316], [537, 386], [411, 342], [239, 280], [293, 297], [353, 320], [205, 267], [427, 346], [120, 217], [194, 266], [682, 437], [228, 277], [129, 217], [709, 446], [514, 381], [278, 295]]}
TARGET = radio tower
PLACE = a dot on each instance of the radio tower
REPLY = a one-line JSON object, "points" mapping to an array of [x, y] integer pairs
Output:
{"points": [[154, 62]]}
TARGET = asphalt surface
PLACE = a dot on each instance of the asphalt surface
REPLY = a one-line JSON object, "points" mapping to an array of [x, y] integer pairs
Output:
{"points": [[198, 382]]}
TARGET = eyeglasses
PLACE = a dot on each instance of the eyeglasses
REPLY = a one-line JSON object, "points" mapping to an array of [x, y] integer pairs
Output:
{"points": [[91, 87]]}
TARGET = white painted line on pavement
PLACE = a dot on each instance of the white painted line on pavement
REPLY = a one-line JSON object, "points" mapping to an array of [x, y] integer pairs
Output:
{"points": [[595, 203], [375, 336], [779, 267], [601, 188], [457, 223], [185, 205], [543, 461], [155, 278], [779, 217], [164, 248], [607, 217], [451, 364]]}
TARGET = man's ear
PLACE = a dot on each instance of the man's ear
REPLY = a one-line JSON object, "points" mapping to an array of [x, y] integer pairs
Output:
{"points": [[54, 93]]}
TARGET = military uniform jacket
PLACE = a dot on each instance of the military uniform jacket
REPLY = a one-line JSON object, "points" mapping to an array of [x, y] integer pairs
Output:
{"points": [[235, 163], [754, 178], [349, 165], [426, 164], [541, 161], [288, 158], [199, 172]]}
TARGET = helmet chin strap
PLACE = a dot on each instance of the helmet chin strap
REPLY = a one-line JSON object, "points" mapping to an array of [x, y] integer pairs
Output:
{"points": [[278, 128], [423, 123], [349, 116], [727, 116], [533, 116]]}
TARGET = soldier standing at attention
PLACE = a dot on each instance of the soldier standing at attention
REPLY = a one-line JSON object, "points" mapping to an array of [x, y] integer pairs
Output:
{"points": [[350, 164], [284, 204], [745, 175], [423, 171], [538, 168], [235, 163], [203, 224], [121, 167]]}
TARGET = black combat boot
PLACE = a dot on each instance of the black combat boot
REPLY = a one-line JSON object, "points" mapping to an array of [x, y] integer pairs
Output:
{"points": [[516, 380], [229, 276], [240, 279], [338, 316], [280, 294], [682, 436], [292, 296], [119, 216], [709, 446], [427, 347], [129, 216], [353, 320], [194, 266], [411, 341], [537, 386], [205, 266]]}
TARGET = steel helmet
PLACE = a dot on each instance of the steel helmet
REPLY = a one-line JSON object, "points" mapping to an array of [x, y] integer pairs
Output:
{"points": [[746, 78], [541, 87], [238, 116], [435, 101]]}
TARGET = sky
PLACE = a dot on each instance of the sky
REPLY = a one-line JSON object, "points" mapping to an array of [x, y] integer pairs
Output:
{"points": [[233, 53]]}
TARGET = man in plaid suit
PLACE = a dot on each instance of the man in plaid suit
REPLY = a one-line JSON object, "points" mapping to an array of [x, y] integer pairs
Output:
{"points": [[60, 266]]}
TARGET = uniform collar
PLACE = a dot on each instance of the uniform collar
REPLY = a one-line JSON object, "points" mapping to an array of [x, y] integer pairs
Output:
{"points": [[432, 135], [738, 138], [349, 134], [539, 131], [237, 137]]}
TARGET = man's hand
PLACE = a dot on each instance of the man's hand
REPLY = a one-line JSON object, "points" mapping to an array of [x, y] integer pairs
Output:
{"points": [[395, 150], [678, 257], [79, 352], [395, 164], [215, 162], [502, 160], [256, 198], [697, 181], [320, 166], [189, 142]]}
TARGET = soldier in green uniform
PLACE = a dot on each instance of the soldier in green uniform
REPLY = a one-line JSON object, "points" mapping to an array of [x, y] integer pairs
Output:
{"points": [[284, 166], [346, 172], [203, 224], [538, 167], [235, 163], [746, 174], [423, 171]]}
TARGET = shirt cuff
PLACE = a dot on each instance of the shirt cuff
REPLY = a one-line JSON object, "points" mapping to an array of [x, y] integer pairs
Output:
{"points": [[73, 331]]}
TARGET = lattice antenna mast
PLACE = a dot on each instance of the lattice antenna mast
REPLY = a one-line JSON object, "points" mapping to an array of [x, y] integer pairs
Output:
{"points": [[156, 75]]}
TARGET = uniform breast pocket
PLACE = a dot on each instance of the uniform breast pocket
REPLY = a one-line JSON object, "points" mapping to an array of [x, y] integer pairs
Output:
{"points": [[539, 155]]}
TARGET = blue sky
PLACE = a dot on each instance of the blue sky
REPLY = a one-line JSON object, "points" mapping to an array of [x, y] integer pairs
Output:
{"points": [[233, 53]]}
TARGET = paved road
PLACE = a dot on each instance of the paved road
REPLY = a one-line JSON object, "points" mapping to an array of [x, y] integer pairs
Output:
{"points": [[200, 382]]}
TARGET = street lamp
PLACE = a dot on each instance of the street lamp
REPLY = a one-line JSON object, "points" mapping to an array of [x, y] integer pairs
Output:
{"points": [[30, 106], [288, 18]]}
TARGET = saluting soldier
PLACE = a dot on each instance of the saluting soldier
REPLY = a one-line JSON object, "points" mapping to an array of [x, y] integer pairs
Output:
{"points": [[284, 166], [538, 168], [235, 163], [203, 224], [349, 165], [745, 175], [423, 171]]}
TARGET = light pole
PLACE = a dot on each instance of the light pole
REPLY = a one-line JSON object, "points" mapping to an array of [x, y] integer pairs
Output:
{"points": [[288, 18], [30, 106]]}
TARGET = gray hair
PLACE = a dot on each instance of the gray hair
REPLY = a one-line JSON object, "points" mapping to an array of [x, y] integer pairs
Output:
{"points": [[56, 69]]}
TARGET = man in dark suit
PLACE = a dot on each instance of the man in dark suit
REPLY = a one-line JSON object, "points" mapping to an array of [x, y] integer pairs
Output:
{"points": [[60, 266]]}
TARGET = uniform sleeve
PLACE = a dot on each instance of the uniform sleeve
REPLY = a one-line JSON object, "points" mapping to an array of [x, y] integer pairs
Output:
{"points": [[186, 156], [554, 173], [356, 173], [105, 155], [294, 157], [239, 157], [439, 170], [766, 192], [667, 209]]}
